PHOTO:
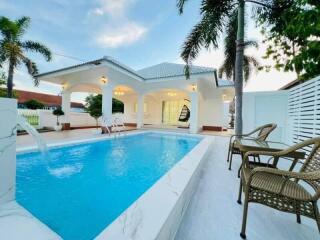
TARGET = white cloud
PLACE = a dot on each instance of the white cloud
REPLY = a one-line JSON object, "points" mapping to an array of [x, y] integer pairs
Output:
{"points": [[124, 35], [115, 29], [98, 11], [114, 8]]}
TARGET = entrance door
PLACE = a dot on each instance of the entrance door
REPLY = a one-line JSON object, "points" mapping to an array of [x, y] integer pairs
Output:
{"points": [[171, 111]]}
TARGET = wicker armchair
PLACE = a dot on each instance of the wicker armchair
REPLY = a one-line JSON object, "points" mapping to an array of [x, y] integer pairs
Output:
{"points": [[284, 190], [261, 135]]}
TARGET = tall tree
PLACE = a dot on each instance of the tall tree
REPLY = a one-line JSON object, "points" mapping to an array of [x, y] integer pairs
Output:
{"points": [[13, 49], [250, 63], [293, 36], [214, 15]]}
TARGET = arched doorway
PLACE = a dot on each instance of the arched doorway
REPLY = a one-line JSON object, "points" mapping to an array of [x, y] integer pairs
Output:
{"points": [[169, 108]]}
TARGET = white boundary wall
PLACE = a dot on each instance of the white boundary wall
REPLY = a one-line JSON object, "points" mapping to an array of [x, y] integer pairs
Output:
{"points": [[47, 119], [260, 108], [304, 110], [296, 111]]}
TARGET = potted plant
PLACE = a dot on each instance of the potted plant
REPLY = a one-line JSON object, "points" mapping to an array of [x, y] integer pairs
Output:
{"points": [[58, 112]]}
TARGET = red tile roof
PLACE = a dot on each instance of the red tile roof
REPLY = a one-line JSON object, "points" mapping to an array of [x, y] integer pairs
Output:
{"points": [[47, 99]]}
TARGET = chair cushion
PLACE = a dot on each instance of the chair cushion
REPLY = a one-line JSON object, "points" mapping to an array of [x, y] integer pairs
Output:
{"points": [[273, 183]]}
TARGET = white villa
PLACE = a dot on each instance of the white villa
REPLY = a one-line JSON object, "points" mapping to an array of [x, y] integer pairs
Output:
{"points": [[152, 96]]}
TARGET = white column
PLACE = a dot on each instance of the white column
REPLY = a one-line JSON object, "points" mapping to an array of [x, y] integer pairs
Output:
{"points": [[140, 111], [8, 123], [66, 105], [107, 92], [194, 112]]}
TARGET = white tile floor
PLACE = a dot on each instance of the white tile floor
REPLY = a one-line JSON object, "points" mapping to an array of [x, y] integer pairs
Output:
{"points": [[214, 213]]}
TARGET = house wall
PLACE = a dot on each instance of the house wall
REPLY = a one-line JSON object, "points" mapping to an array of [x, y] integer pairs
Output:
{"points": [[153, 114], [213, 110]]}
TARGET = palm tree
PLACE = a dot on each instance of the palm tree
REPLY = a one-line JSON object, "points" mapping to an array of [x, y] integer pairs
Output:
{"points": [[250, 63], [12, 49], [206, 33]]}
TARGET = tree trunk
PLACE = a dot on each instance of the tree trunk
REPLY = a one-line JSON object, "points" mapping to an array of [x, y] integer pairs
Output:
{"points": [[239, 68], [10, 80]]}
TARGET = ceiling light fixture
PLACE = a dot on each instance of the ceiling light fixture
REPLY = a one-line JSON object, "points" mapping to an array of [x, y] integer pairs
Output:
{"points": [[104, 80], [172, 94]]}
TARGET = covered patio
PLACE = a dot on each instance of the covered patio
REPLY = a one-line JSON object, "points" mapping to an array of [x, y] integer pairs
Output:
{"points": [[153, 96]]}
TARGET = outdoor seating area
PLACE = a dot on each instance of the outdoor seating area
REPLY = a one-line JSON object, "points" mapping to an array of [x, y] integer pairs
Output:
{"points": [[291, 188], [215, 214]]}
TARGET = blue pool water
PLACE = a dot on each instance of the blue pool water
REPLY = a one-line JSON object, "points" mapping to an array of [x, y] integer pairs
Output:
{"points": [[79, 190]]}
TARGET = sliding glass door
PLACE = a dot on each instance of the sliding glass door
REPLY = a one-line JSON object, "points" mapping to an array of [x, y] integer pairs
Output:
{"points": [[171, 111]]}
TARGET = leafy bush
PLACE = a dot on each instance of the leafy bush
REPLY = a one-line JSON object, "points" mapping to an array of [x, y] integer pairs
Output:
{"points": [[117, 106], [94, 106], [34, 104]]}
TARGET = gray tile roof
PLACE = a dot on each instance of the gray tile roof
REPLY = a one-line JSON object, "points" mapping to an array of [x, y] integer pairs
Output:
{"points": [[225, 83], [95, 62], [164, 70]]}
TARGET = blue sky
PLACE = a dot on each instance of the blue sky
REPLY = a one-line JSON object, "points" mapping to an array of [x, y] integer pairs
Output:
{"points": [[138, 33]]}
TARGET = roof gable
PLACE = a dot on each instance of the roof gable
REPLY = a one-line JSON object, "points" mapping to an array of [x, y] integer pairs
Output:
{"points": [[164, 70], [159, 71]]}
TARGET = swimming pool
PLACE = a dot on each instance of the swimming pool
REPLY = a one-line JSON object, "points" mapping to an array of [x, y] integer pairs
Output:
{"points": [[82, 188]]}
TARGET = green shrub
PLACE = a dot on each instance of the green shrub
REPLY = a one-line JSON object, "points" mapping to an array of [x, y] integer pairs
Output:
{"points": [[34, 104], [58, 112]]}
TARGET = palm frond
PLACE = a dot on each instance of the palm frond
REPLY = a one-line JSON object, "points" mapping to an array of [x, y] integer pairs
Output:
{"points": [[220, 7], [249, 64], [180, 5], [8, 28], [253, 61], [32, 69], [22, 24], [37, 47], [206, 33], [195, 40], [246, 69], [226, 70], [251, 43], [230, 48]]}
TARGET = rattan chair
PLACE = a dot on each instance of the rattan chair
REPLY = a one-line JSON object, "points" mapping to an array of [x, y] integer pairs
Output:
{"points": [[261, 135], [293, 191]]}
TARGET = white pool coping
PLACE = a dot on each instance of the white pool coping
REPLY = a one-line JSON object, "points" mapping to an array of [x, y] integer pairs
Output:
{"points": [[155, 215]]}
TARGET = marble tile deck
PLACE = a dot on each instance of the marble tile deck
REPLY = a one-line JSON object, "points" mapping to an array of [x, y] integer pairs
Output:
{"points": [[214, 213]]}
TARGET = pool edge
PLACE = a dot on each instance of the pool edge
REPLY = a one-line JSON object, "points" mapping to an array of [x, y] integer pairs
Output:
{"points": [[186, 171], [157, 214]]}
